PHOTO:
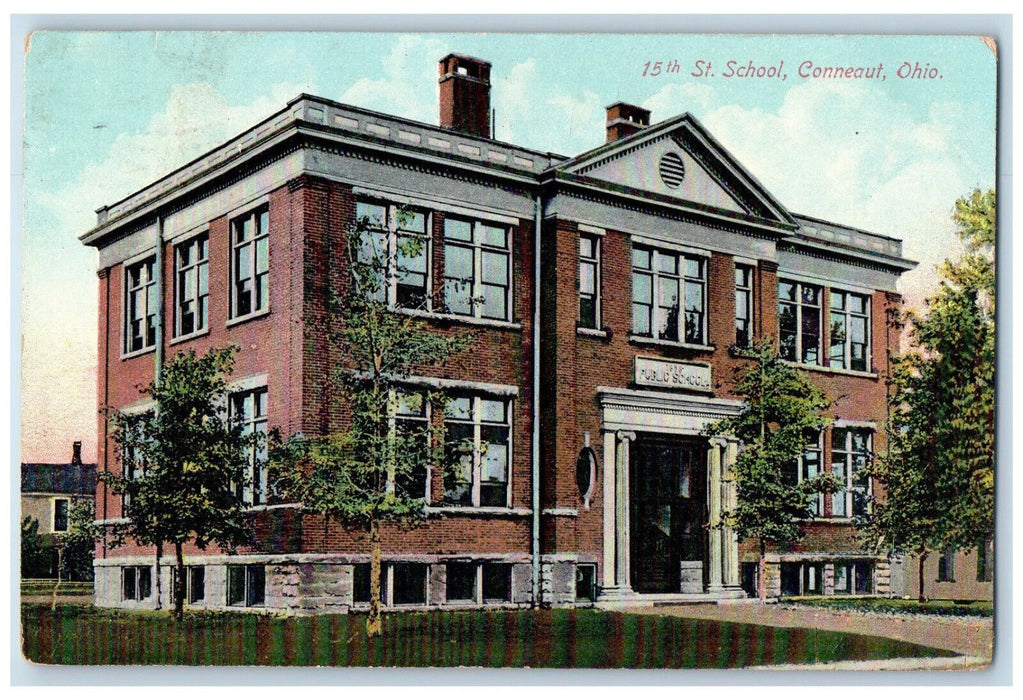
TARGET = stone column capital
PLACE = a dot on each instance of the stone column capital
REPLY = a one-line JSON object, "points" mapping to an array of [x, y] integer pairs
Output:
{"points": [[718, 441], [625, 436]]}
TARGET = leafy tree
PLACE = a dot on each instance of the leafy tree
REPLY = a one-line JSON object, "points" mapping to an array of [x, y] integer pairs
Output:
{"points": [[783, 412], [938, 473], [185, 463], [34, 556], [372, 471], [77, 544]]}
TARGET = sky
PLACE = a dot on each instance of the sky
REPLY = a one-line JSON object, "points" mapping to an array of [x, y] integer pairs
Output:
{"points": [[107, 113]]}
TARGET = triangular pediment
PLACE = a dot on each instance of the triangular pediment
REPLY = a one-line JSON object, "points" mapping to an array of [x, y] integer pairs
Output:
{"points": [[678, 159]]}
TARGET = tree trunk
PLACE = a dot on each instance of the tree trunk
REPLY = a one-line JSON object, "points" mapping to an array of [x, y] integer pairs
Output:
{"points": [[762, 571], [373, 622], [921, 558], [157, 587], [179, 582]]}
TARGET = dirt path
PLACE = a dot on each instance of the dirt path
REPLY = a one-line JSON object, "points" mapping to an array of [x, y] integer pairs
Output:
{"points": [[970, 636]]}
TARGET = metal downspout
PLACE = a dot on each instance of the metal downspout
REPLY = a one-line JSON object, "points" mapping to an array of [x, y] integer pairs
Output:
{"points": [[536, 403], [158, 268]]}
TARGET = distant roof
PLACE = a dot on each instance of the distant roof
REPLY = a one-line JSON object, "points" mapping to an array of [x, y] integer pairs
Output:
{"points": [[58, 478]]}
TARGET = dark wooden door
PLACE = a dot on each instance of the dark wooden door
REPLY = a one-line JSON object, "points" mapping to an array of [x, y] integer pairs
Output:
{"points": [[667, 504]]}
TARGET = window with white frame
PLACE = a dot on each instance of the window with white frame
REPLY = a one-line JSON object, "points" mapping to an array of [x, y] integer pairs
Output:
{"points": [[248, 409], [853, 578], [250, 263], [196, 584], [849, 328], [141, 303], [191, 261], [802, 578], [246, 585], [799, 322], [393, 256], [406, 584], [669, 300], [744, 305], [133, 458], [478, 451], [136, 582], [589, 281], [60, 514], [808, 466], [476, 581], [411, 421], [851, 451], [477, 269]]}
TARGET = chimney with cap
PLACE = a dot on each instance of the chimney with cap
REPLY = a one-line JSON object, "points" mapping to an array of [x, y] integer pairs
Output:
{"points": [[465, 94], [624, 120], [76, 452]]}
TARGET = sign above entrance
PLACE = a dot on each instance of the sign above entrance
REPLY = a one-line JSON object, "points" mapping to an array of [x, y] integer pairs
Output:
{"points": [[672, 375]]}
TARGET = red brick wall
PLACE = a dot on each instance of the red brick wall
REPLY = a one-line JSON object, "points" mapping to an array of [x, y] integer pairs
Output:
{"points": [[308, 219]]}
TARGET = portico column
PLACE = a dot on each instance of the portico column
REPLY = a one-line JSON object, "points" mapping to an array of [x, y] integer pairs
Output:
{"points": [[714, 549], [610, 479], [731, 540], [622, 509]]}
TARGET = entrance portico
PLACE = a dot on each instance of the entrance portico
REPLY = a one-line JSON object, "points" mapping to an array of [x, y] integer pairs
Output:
{"points": [[639, 428]]}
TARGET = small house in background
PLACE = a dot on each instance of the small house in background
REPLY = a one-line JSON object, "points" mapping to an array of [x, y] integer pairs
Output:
{"points": [[47, 491]]}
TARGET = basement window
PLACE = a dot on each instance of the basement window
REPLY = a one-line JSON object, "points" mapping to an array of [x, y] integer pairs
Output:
{"points": [[136, 582], [246, 585], [496, 582], [196, 584]]}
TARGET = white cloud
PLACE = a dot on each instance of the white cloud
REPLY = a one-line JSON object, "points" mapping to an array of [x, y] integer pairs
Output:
{"points": [[513, 99], [674, 99], [59, 304], [407, 86], [849, 152]]}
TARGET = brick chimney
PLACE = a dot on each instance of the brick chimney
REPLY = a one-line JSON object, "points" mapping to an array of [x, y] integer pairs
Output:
{"points": [[624, 120], [76, 452], [465, 94]]}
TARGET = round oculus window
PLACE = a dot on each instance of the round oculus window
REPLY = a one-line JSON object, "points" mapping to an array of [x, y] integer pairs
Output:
{"points": [[672, 169]]}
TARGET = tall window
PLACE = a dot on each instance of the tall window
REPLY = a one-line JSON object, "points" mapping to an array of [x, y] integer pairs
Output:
{"points": [[394, 237], [806, 467], [477, 269], [250, 263], [743, 305], [192, 279], [589, 281], [850, 331], [799, 322], [946, 565], [140, 304], [411, 423], [478, 440], [60, 514], [668, 295], [985, 559], [850, 453], [248, 408]]}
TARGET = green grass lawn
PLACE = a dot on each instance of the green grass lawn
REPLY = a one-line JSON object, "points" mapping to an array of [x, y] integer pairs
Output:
{"points": [[980, 608], [560, 638]]}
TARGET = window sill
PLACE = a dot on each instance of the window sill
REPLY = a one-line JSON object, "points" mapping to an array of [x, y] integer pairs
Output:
{"points": [[138, 353], [248, 317], [455, 318], [643, 340], [593, 332], [191, 336], [832, 370], [477, 510]]}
